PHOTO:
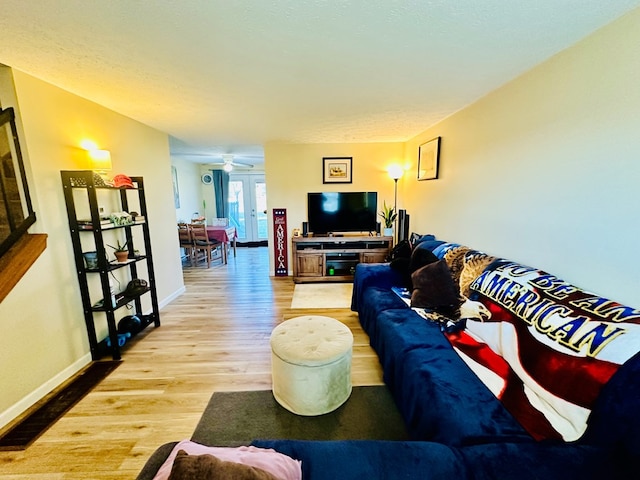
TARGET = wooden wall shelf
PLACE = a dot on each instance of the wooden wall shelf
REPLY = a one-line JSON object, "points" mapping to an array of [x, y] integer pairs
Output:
{"points": [[17, 261]]}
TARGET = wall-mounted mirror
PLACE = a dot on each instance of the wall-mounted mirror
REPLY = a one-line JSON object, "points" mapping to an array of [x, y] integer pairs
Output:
{"points": [[16, 211]]}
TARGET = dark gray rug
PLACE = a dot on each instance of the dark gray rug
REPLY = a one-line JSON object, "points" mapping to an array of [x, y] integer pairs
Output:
{"points": [[237, 418]]}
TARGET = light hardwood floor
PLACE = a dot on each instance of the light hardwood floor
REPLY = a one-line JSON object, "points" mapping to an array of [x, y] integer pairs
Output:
{"points": [[215, 337]]}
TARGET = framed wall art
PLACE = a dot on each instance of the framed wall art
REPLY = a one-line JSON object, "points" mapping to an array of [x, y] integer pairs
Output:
{"points": [[428, 159], [176, 192], [337, 169]]}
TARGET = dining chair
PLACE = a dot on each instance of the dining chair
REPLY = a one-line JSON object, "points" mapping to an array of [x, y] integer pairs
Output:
{"points": [[211, 249], [186, 241]]}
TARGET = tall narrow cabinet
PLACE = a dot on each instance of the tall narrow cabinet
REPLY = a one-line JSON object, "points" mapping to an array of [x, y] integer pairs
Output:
{"points": [[86, 200]]}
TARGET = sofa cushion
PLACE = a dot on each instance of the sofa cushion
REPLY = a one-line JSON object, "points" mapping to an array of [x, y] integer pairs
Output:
{"points": [[374, 301], [365, 459], [615, 419], [437, 394], [544, 460], [434, 288], [373, 275]]}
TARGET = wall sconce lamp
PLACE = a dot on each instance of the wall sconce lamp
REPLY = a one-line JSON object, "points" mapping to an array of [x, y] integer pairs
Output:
{"points": [[100, 161], [395, 172]]}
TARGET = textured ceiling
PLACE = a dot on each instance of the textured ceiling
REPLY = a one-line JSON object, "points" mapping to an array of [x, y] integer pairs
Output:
{"points": [[225, 76]]}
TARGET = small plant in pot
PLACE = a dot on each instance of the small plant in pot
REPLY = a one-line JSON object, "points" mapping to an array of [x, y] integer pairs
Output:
{"points": [[388, 215], [120, 251]]}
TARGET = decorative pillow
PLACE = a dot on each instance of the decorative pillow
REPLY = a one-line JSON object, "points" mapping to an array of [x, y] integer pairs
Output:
{"points": [[474, 264], [401, 250], [429, 244], [434, 288], [192, 467], [419, 258], [279, 465], [416, 238], [455, 261]]}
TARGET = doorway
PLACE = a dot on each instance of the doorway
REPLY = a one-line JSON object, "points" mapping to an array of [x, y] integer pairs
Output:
{"points": [[248, 206]]}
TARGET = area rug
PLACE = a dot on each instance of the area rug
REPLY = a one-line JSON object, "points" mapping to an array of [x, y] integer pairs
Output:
{"points": [[41, 418], [237, 418], [322, 295]]}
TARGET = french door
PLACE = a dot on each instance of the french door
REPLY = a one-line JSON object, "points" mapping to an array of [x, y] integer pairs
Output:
{"points": [[248, 206]]}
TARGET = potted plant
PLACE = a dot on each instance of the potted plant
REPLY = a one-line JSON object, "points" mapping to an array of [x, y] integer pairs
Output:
{"points": [[120, 251], [388, 215]]}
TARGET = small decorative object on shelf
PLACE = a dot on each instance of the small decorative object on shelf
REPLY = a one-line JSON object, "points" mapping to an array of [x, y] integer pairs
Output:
{"points": [[120, 219], [101, 231], [120, 251]]}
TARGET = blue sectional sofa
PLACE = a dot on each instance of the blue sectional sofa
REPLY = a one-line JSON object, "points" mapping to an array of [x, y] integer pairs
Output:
{"points": [[533, 379], [459, 426]]}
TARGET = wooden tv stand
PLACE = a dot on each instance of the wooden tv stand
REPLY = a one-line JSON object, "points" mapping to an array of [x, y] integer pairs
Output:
{"points": [[334, 259]]}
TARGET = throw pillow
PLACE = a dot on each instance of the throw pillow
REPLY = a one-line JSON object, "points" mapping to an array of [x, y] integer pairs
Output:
{"points": [[279, 465], [474, 264], [434, 288], [401, 250], [420, 257], [416, 238], [190, 467]]}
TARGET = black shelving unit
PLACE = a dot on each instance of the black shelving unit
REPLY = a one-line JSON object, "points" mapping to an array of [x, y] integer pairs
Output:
{"points": [[84, 181]]}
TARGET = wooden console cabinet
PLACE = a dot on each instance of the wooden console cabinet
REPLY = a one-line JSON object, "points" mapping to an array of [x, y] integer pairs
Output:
{"points": [[334, 259]]}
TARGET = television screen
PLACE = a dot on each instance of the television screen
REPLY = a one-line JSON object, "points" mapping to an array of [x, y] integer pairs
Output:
{"points": [[330, 212]]}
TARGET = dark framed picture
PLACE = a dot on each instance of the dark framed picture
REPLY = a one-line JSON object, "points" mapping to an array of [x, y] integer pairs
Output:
{"points": [[337, 169], [428, 159]]}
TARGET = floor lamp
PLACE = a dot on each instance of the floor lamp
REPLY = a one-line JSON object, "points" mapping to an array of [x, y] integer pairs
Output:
{"points": [[395, 172]]}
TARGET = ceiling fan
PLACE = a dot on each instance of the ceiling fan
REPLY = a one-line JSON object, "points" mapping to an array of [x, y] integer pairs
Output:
{"points": [[228, 160], [228, 163]]}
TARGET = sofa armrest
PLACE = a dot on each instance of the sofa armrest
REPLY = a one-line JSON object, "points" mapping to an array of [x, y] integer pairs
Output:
{"points": [[373, 275], [370, 459], [155, 461]]}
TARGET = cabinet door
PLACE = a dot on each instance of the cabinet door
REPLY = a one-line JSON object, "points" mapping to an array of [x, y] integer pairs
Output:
{"points": [[373, 257], [310, 265]]}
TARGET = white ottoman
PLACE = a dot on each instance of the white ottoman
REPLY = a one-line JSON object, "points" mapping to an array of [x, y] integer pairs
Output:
{"points": [[311, 364]]}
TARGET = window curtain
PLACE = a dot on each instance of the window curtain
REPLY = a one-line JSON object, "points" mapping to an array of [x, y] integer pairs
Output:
{"points": [[221, 191]]}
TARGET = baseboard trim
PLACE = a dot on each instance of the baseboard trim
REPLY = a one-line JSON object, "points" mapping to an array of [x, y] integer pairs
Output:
{"points": [[17, 409], [166, 301]]}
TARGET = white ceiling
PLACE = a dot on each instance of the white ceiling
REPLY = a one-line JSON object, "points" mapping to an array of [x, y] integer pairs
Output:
{"points": [[226, 76]]}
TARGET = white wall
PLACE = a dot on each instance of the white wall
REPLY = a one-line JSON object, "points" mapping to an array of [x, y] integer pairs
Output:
{"points": [[189, 188], [545, 170], [42, 332]]}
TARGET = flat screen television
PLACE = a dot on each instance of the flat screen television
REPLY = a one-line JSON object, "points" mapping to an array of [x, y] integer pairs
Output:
{"points": [[330, 212]]}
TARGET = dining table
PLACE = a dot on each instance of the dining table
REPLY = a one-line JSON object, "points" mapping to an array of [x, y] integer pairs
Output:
{"points": [[225, 234]]}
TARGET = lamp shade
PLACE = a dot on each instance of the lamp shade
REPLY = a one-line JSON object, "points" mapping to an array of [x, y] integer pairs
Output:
{"points": [[395, 171], [100, 160]]}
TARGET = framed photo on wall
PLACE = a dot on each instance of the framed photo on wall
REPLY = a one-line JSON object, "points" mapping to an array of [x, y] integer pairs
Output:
{"points": [[336, 169], [176, 192], [428, 159]]}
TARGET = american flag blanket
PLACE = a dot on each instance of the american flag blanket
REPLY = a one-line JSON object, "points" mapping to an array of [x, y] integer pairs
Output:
{"points": [[544, 347]]}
